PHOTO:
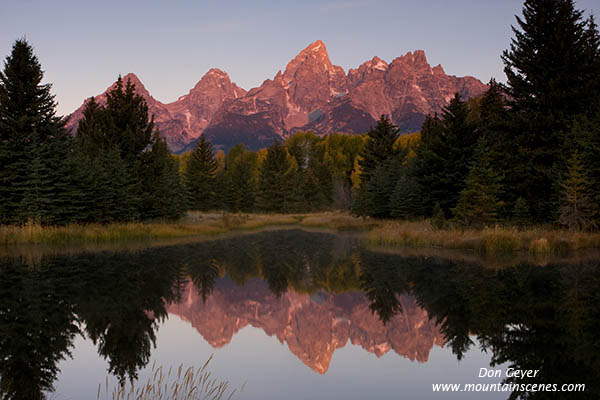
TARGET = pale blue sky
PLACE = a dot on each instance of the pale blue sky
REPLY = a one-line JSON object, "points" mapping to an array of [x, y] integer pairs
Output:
{"points": [[83, 46]]}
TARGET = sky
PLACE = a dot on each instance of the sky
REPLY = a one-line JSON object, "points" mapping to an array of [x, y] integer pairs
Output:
{"points": [[83, 46]]}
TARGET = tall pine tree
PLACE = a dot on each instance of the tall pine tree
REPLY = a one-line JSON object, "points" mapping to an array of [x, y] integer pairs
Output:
{"points": [[552, 76], [162, 193], [376, 184], [378, 148], [277, 184], [577, 210], [443, 156], [201, 174], [241, 179], [146, 175], [479, 202], [406, 201], [34, 145]]}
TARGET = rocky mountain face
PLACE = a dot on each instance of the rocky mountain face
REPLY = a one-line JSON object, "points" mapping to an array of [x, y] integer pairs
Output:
{"points": [[311, 94], [313, 327]]}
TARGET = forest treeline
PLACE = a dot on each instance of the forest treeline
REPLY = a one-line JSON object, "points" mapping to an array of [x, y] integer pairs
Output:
{"points": [[524, 152]]}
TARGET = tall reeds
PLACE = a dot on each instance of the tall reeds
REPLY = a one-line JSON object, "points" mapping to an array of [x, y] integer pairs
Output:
{"points": [[183, 383]]}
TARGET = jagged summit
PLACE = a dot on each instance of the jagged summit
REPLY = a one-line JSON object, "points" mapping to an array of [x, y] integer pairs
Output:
{"points": [[377, 63], [315, 47], [130, 76], [313, 57], [137, 82], [216, 71], [415, 57]]}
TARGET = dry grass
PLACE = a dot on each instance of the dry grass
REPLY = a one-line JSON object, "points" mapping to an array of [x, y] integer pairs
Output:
{"points": [[195, 224], [338, 221], [539, 246], [498, 240], [97, 233], [418, 234], [258, 221], [179, 384]]}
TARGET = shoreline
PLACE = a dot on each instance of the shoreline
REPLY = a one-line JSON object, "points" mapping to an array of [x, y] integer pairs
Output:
{"points": [[378, 233]]}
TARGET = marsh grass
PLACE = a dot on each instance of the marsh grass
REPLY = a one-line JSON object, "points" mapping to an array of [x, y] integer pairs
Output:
{"points": [[97, 233], [418, 234], [182, 383], [338, 221], [193, 225], [497, 240], [539, 246]]}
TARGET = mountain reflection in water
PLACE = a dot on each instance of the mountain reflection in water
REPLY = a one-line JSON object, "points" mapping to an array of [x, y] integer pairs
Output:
{"points": [[312, 326], [315, 292]]}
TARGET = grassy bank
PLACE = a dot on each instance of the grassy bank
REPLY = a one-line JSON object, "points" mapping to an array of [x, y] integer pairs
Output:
{"points": [[193, 225], [499, 240]]}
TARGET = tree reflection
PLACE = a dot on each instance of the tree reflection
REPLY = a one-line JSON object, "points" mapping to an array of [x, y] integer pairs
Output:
{"points": [[204, 274], [122, 303], [382, 283], [118, 299], [37, 328], [528, 317]]}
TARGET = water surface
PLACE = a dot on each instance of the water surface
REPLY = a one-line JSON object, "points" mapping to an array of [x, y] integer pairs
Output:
{"points": [[296, 315]]}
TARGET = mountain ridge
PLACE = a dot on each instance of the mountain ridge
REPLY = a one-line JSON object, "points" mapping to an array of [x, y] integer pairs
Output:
{"points": [[311, 93]]}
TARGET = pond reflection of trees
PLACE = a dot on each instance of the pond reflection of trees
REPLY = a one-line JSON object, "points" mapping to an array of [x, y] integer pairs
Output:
{"points": [[530, 317]]}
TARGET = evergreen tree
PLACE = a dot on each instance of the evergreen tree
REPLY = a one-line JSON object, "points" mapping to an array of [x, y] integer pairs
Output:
{"points": [[34, 204], [122, 124], [479, 204], [201, 173], [34, 145], [585, 139], [317, 183], [147, 173], [520, 213], [406, 201], [163, 193], [378, 148], [126, 124], [362, 202], [51, 194], [112, 188], [444, 154], [494, 124], [276, 184], [438, 218], [90, 130], [379, 164], [241, 179], [382, 184], [551, 61], [577, 209], [552, 76]]}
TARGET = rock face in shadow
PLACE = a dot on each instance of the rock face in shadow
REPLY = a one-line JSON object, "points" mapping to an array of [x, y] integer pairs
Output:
{"points": [[310, 94], [313, 327]]}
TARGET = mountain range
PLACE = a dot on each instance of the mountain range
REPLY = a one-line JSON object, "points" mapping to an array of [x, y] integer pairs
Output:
{"points": [[310, 94]]}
